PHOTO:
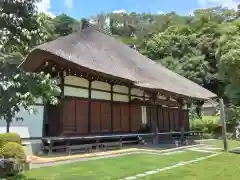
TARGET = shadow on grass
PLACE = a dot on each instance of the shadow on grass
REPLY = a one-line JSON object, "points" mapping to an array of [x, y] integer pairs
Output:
{"points": [[21, 177]]}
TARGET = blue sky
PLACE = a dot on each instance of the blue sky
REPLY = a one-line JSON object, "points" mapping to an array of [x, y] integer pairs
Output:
{"points": [[86, 8]]}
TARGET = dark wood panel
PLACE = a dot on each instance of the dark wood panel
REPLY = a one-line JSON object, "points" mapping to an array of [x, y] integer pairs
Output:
{"points": [[166, 119], [148, 115], [106, 117], [176, 120], [52, 125], [154, 117], [95, 117], [69, 124], [160, 118], [81, 116], [124, 117], [185, 120], [136, 119], [171, 120], [116, 117]]}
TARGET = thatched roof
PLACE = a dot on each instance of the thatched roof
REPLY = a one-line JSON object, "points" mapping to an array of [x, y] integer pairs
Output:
{"points": [[97, 51]]}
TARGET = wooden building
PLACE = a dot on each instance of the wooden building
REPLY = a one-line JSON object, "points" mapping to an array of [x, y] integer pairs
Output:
{"points": [[109, 88]]}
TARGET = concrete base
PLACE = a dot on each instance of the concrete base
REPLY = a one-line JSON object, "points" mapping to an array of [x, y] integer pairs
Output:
{"points": [[32, 147]]}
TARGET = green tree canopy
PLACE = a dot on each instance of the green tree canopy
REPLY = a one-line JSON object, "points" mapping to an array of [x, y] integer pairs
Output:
{"points": [[64, 24], [20, 89]]}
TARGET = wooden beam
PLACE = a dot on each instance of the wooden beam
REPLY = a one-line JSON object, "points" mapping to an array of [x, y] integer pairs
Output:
{"points": [[61, 102], [129, 109], [180, 103], [89, 106], [112, 107]]}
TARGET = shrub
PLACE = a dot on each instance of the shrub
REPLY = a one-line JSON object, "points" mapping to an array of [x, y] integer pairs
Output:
{"points": [[9, 137], [15, 151], [208, 124], [1, 152]]}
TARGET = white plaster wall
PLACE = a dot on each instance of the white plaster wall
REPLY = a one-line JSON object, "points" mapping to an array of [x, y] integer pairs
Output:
{"points": [[100, 95], [31, 126], [75, 92], [144, 115], [135, 91], [121, 89], [76, 81], [101, 85], [120, 97]]}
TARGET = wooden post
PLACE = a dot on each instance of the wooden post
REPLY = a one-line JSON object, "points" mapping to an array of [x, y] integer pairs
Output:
{"points": [[223, 123], [180, 103], [62, 97], [89, 106], [154, 108]]}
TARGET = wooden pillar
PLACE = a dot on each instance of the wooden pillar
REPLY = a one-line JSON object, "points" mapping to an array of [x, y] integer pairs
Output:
{"points": [[112, 108], [62, 82], [181, 117], [89, 106], [129, 108], [44, 120], [154, 113]]}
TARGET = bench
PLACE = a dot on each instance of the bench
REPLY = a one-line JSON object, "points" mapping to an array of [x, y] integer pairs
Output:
{"points": [[106, 145], [51, 148], [130, 142], [78, 148]]}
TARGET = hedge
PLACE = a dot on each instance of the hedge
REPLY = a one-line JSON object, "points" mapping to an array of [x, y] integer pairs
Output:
{"points": [[13, 159], [9, 137], [208, 124], [14, 150]]}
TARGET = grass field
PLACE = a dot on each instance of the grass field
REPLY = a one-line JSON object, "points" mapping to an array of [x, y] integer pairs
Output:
{"points": [[112, 168], [219, 143], [225, 166]]}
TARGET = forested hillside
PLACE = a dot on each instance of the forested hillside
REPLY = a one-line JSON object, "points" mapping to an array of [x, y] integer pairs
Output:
{"points": [[203, 47]]}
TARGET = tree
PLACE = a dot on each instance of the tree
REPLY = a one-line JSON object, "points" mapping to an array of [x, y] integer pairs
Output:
{"points": [[21, 89], [228, 56], [19, 28], [177, 49], [63, 24], [47, 28]]}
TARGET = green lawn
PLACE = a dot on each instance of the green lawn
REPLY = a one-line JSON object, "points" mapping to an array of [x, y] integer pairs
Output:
{"points": [[112, 168], [225, 166], [219, 143]]}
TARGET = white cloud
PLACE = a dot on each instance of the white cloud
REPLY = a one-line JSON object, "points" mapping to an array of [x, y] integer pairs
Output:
{"points": [[160, 12], [120, 11], [68, 3], [45, 6], [232, 4]]}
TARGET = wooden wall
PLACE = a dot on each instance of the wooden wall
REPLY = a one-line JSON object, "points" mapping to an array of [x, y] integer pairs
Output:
{"points": [[169, 119], [97, 107], [76, 121]]}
